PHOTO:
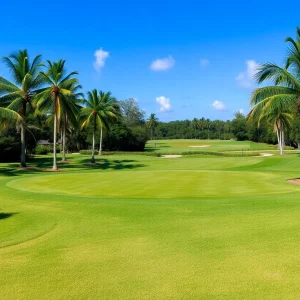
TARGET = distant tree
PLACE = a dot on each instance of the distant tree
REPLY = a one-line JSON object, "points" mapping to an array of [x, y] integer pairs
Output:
{"points": [[152, 123], [100, 111], [208, 125], [239, 127], [295, 130], [131, 112]]}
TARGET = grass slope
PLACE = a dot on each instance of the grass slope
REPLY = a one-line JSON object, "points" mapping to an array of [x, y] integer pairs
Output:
{"points": [[137, 227]]}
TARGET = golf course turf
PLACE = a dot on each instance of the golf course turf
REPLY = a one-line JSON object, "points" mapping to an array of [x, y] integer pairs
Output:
{"points": [[142, 227]]}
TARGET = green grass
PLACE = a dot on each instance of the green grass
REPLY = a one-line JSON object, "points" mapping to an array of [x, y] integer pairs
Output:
{"points": [[178, 146], [139, 227]]}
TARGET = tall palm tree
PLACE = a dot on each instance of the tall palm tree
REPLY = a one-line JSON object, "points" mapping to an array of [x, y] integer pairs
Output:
{"points": [[18, 94], [56, 97], [152, 123], [285, 93], [100, 111]]}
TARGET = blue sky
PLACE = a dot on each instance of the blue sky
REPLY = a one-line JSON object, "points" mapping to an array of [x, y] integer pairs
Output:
{"points": [[179, 59]]}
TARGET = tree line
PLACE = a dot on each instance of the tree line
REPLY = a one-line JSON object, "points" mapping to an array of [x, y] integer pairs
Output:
{"points": [[43, 98], [41, 94], [274, 117]]}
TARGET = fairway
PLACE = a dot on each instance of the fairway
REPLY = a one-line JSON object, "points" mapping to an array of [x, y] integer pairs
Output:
{"points": [[140, 227]]}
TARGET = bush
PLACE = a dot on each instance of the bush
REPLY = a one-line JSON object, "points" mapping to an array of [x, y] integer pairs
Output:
{"points": [[87, 152], [122, 138], [9, 149], [226, 154], [42, 149], [285, 147]]}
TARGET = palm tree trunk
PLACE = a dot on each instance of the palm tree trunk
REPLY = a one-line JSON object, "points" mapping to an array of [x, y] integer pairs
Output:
{"points": [[282, 137], [23, 145], [278, 137], [64, 143], [61, 138], [54, 141], [93, 149], [100, 146]]}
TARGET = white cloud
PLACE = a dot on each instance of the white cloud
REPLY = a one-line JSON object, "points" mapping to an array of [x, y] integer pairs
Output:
{"points": [[165, 104], [246, 79], [101, 56], [218, 105], [204, 62], [163, 64]]}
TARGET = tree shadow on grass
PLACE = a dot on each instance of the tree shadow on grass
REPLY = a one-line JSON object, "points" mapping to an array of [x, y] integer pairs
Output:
{"points": [[42, 164], [4, 216], [116, 164]]}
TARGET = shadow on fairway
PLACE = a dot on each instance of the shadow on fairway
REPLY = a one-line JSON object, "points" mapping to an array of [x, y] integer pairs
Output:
{"points": [[42, 164], [105, 164], [4, 216]]}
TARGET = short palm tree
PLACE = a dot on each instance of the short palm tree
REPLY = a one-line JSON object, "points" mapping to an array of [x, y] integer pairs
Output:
{"points": [[152, 123], [275, 116], [100, 111], [18, 94], [56, 97]]}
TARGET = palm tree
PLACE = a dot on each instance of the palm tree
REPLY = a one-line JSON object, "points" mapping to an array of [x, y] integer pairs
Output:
{"points": [[18, 95], [100, 111], [208, 126], [152, 123], [69, 117], [8, 115], [56, 98], [285, 93], [279, 119]]}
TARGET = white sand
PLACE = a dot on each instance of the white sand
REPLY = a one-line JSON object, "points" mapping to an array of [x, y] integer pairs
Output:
{"points": [[264, 154], [170, 156], [199, 146]]}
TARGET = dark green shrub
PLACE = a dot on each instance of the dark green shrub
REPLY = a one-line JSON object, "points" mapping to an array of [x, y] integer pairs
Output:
{"points": [[9, 149], [87, 152], [43, 150]]}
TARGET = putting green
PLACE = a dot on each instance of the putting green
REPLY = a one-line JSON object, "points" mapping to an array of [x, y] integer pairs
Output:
{"points": [[156, 184]]}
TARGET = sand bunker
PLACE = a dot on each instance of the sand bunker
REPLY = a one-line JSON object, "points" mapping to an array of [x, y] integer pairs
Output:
{"points": [[266, 154], [199, 146], [170, 156], [295, 181]]}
